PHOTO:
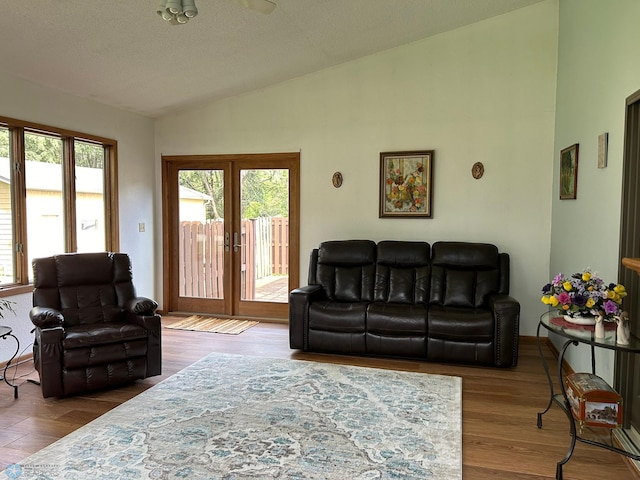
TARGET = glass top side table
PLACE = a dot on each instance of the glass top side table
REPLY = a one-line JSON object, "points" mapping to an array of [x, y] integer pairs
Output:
{"points": [[597, 436], [6, 332]]}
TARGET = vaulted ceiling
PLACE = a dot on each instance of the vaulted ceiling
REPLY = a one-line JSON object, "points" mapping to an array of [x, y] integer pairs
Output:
{"points": [[121, 53]]}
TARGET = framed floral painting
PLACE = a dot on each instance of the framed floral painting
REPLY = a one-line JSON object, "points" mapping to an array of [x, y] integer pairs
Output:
{"points": [[569, 172], [406, 184]]}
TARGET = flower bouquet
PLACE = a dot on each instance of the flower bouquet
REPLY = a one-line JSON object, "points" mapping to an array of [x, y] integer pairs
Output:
{"points": [[406, 191], [584, 295]]}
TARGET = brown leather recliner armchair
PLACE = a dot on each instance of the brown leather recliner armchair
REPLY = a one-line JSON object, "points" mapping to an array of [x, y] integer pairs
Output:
{"points": [[92, 332]]}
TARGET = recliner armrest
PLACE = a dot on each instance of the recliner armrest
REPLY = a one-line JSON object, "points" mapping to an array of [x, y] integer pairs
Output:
{"points": [[141, 306], [152, 324], [299, 301], [44, 317], [506, 313]]}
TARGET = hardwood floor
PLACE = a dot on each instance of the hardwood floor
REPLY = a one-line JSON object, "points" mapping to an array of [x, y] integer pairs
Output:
{"points": [[500, 437]]}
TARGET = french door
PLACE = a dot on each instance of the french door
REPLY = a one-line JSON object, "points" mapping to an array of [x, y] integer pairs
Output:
{"points": [[230, 233]]}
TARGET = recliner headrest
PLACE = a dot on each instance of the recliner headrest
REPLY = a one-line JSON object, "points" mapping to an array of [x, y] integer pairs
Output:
{"points": [[347, 252], [475, 256], [403, 254]]}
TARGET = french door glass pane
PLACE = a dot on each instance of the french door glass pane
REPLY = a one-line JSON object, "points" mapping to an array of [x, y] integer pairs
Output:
{"points": [[45, 208], [264, 218], [6, 212], [201, 236], [90, 208]]}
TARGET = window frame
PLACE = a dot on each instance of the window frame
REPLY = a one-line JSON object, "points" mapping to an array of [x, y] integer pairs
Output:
{"points": [[17, 129]]}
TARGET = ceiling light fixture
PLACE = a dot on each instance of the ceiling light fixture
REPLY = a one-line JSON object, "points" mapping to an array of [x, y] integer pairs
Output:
{"points": [[177, 12]]}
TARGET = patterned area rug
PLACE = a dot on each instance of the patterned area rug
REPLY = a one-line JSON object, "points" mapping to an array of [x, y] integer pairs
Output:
{"points": [[238, 417], [214, 325]]}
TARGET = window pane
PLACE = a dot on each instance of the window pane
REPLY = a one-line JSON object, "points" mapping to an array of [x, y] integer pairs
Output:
{"points": [[201, 251], [45, 211], [89, 166], [264, 212], [6, 212]]}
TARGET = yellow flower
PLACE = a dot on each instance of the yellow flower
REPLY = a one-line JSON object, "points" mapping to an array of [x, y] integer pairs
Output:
{"points": [[590, 288], [553, 300], [611, 294], [590, 303], [586, 276], [565, 307], [567, 286], [545, 299], [620, 290]]}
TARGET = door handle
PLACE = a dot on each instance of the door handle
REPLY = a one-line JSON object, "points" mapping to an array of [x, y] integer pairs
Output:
{"points": [[236, 245]]}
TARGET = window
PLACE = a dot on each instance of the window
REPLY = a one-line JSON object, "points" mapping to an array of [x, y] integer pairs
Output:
{"points": [[90, 211], [58, 193]]}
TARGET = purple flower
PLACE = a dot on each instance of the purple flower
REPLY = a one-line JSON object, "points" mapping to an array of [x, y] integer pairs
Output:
{"points": [[579, 300], [546, 288], [610, 307], [558, 278]]}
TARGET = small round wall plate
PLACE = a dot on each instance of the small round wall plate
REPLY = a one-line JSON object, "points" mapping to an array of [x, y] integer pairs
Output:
{"points": [[477, 170], [337, 180]]}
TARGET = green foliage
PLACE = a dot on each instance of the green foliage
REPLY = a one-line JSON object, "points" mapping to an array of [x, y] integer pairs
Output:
{"points": [[210, 183], [4, 142], [265, 193], [43, 148], [6, 305], [89, 155]]}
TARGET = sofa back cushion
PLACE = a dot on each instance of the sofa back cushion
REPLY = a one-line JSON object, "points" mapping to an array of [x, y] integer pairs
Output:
{"points": [[463, 274], [345, 270], [402, 272]]}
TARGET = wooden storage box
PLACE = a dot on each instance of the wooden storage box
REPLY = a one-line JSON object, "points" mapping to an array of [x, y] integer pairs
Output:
{"points": [[593, 402]]}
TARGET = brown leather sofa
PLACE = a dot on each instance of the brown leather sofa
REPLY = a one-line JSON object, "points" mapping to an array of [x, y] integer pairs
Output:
{"points": [[446, 303], [91, 331]]}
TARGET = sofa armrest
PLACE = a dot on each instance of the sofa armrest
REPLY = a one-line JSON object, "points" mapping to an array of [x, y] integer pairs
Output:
{"points": [[299, 301], [141, 306], [506, 313], [43, 317]]}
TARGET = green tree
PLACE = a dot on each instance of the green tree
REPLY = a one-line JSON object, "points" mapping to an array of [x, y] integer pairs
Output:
{"points": [[4, 142], [48, 149], [210, 183], [265, 193]]}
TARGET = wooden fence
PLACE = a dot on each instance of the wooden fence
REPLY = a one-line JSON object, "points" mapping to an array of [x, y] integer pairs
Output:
{"points": [[201, 250]]}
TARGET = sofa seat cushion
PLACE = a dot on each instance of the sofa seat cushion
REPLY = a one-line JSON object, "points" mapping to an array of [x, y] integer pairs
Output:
{"points": [[397, 330], [461, 335], [394, 319], [460, 324], [336, 327], [337, 317], [80, 336]]}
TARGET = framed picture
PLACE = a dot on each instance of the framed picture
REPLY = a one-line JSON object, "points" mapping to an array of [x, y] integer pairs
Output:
{"points": [[569, 172], [406, 184]]}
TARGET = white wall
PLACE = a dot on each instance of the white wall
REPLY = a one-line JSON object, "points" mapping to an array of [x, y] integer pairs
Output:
{"points": [[134, 133], [597, 71], [485, 92]]}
